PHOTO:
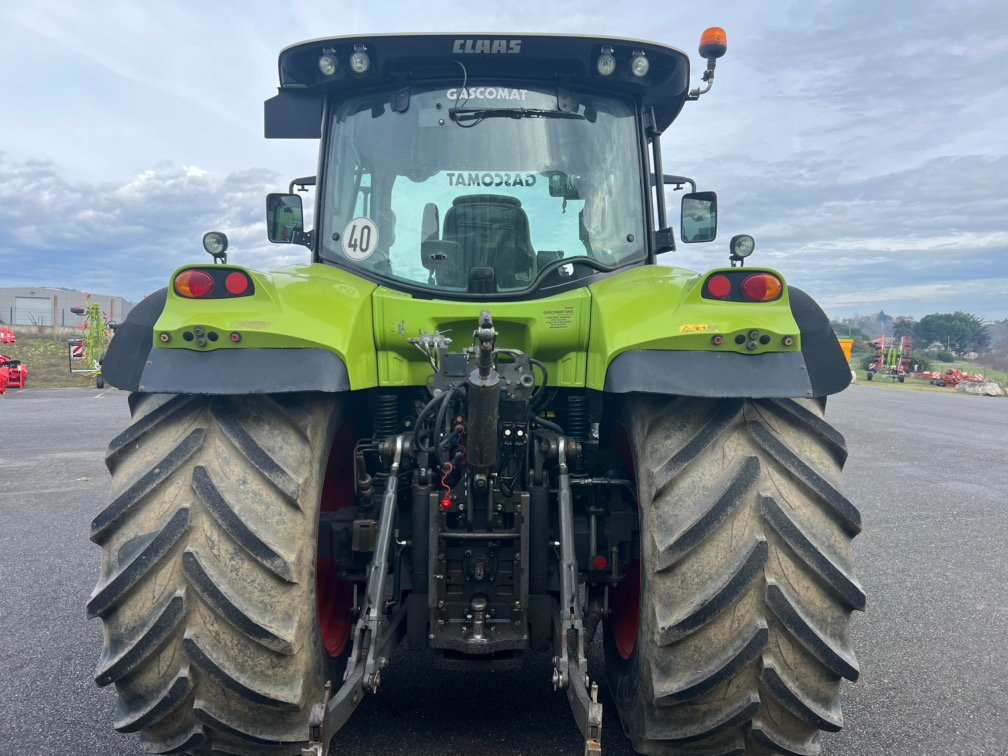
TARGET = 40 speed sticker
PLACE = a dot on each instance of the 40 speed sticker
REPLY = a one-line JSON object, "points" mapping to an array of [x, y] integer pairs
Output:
{"points": [[359, 239]]}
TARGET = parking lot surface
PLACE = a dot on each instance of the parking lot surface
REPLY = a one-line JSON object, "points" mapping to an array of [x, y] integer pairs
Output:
{"points": [[929, 472]]}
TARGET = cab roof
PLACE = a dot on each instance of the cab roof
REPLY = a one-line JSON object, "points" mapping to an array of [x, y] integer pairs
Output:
{"points": [[398, 59]]}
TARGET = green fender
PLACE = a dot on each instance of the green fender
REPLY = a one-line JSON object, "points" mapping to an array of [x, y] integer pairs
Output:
{"points": [[653, 332], [305, 328], [319, 328]]}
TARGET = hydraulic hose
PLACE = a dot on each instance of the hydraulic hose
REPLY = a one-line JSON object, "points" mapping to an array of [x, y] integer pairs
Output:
{"points": [[540, 392], [547, 424], [440, 421], [428, 408]]}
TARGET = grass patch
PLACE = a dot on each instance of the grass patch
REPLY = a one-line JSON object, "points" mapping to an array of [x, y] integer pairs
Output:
{"points": [[46, 358], [911, 384]]}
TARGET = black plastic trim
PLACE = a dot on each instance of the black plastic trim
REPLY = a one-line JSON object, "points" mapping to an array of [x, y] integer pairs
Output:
{"points": [[124, 362], [219, 274], [828, 369], [737, 278], [293, 114], [243, 371], [709, 374]]}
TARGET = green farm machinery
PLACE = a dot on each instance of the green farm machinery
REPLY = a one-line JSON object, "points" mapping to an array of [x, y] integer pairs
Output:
{"points": [[480, 420]]}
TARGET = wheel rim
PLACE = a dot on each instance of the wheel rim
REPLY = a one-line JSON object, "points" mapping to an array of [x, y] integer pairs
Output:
{"points": [[624, 599], [335, 596]]}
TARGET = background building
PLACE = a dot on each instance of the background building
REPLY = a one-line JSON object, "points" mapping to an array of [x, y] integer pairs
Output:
{"points": [[25, 305]]}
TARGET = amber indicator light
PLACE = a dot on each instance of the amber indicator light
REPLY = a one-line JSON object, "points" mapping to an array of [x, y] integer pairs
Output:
{"points": [[762, 287], [193, 284]]}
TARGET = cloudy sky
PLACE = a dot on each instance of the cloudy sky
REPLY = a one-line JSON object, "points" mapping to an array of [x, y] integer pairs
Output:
{"points": [[863, 144]]}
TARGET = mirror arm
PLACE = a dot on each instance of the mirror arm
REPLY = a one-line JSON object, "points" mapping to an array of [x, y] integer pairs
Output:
{"points": [[678, 181], [302, 183]]}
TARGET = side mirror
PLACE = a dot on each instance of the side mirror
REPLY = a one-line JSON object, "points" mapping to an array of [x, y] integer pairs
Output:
{"points": [[698, 220], [284, 218]]}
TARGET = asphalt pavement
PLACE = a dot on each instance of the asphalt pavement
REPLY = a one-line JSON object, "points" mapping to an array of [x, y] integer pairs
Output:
{"points": [[929, 472]]}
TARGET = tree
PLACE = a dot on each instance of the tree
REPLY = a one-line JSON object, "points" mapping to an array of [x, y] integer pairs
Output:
{"points": [[904, 326], [958, 331], [846, 329]]}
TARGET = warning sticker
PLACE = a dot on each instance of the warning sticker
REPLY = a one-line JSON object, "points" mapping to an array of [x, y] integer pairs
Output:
{"points": [[561, 317], [359, 239], [699, 328]]}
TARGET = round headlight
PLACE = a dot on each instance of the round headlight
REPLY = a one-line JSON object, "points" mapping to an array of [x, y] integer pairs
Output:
{"points": [[640, 65], [360, 62], [215, 242], [327, 65], [742, 245], [605, 64]]}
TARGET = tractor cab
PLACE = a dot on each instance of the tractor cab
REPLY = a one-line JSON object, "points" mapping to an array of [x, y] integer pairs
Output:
{"points": [[483, 168]]}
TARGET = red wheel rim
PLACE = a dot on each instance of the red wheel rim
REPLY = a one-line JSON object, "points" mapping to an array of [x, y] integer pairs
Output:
{"points": [[624, 599], [335, 596]]}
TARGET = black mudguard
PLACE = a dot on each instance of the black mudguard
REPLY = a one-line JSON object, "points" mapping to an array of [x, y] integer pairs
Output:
{"points": [[818, 370], [132, 364], [127, 354]]}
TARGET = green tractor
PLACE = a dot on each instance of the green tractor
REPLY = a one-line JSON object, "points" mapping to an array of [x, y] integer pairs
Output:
{"points": [[481, 420]]}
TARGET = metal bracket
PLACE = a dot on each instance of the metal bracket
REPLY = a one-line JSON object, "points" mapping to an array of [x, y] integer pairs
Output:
{"points": [[374, 635], [570, 671], [401, 100]]}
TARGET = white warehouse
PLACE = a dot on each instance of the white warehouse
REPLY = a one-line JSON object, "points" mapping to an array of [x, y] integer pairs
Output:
{"points": [[40, 306]]}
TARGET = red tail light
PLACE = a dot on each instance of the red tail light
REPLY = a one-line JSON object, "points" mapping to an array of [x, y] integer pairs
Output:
{"points": [[762, 287], [193, 284], [236, 283], [719, 286]]}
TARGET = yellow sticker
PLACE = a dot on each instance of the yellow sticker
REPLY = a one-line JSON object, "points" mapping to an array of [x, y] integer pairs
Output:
{"points": [[699, 328]]}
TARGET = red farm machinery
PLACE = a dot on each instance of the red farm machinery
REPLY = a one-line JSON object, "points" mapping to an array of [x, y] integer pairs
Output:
{"points": [[13, 373], [891, 358]]}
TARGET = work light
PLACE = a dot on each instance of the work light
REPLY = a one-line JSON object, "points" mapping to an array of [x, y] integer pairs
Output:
{"points": [[742, 245], [327, 65], [640, 65], [606, 62], [360, 61], [215, 242]]}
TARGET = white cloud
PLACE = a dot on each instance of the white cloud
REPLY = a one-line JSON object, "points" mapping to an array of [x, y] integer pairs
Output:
{"points": [[865, 150]]}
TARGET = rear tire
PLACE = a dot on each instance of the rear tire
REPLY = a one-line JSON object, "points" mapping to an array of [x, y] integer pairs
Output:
{"points": [[207, 584], [746, 586]]}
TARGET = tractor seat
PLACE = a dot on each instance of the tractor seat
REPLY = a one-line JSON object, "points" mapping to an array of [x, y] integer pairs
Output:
{"points": [[492, 230]]}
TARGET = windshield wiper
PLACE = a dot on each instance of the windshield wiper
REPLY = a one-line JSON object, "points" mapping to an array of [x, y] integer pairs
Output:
{"points": [[467, 115]]}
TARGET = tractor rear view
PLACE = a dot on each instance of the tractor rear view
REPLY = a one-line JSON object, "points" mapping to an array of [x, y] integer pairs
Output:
{"points": [[481, 420]]}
